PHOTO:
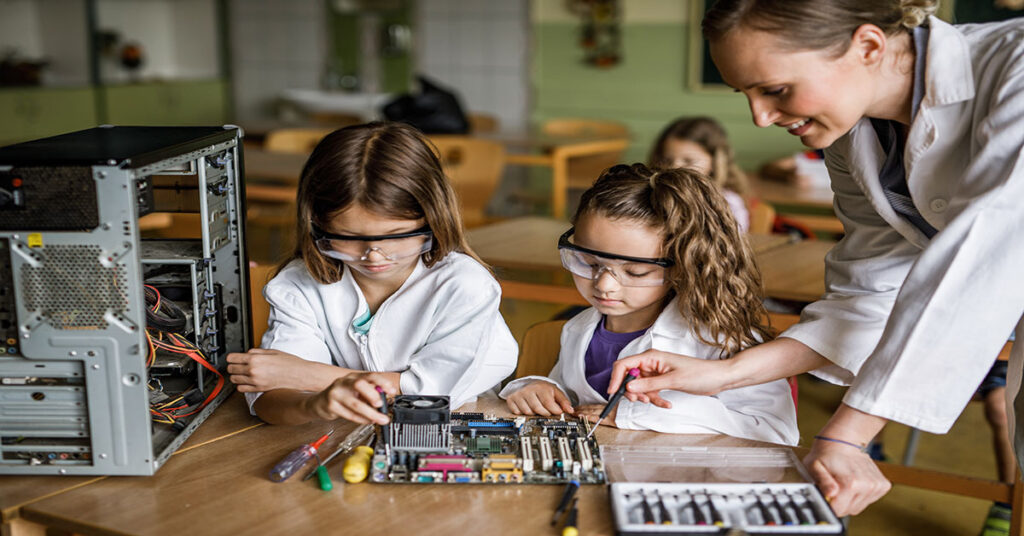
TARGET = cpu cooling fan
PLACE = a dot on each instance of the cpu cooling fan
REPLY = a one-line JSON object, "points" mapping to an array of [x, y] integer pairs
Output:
{"points": [[421, 409]]}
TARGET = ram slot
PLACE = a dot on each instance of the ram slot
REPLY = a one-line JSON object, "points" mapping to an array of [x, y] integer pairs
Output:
{"points": [[527, 453], [583, 453], [546, 458]]}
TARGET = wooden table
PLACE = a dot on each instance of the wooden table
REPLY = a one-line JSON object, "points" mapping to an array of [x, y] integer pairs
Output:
{"points": [[222, 488], [18, 491], [807, 205], [524, 253]]}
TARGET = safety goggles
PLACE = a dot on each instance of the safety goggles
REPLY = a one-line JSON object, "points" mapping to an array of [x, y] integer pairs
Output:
{"points": [[392, 247], [628, 271]]}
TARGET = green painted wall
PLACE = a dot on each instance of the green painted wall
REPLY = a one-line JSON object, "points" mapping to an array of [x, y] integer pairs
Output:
{"points": [[646, 90], [179, 103], [31, 113]]}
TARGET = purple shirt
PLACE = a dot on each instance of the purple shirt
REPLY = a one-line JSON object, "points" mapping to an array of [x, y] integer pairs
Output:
{"points": [[602, 352]]}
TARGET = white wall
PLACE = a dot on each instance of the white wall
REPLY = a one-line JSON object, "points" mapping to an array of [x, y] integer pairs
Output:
{"points": [[178, 37], [480, 49], [65, 40], [19, 29], [50, 30], [275, 45]]}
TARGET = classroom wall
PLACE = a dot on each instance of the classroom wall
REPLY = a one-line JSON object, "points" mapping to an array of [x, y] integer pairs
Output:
{"points": [[649, 86], [275, 45], [479, 48]]}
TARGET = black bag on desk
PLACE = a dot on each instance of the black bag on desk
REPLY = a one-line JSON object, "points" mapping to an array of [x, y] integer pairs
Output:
{"points": [[434, 110]]}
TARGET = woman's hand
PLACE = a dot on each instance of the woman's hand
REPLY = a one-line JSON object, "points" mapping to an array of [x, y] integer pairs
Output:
{"points": [[780, 358], [592, 413], [847, 477], [354, 398], [662, 370], [261, 370], [539, 398]]}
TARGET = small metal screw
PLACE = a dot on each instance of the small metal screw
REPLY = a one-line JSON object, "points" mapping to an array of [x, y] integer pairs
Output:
{"points": [[103, 456], [72, 353], [96, 366]]}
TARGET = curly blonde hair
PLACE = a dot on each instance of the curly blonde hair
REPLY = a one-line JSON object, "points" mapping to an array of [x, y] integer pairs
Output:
{"points": [[714, 275]]}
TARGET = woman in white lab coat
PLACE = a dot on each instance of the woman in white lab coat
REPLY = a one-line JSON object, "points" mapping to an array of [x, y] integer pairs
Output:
{"points": [[923, 126]]}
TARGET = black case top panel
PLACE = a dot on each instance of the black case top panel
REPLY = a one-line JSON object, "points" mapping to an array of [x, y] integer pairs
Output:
{"points": [[128, 147]]}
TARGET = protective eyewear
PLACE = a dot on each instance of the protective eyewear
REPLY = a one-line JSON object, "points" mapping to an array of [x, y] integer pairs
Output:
{"points": [[628, 271], [353, 248]]}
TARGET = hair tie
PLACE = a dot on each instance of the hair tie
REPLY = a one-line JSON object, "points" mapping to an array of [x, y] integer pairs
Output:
{"points": [[654, 178]]}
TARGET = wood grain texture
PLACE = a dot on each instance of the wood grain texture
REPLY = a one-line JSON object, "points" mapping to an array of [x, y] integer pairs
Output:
{"points": [[222, 488]]}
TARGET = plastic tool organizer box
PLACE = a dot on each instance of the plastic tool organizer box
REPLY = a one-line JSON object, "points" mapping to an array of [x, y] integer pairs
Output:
{"points": [[714, 490]]}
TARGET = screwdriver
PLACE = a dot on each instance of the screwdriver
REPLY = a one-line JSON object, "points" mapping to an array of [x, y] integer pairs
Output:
{"points": [[356, 437], [633, 374], [296, 459]]}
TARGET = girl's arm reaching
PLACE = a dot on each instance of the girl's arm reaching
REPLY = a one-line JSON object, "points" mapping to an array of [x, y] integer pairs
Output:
{"points": [[353, 397], [260, 369]]}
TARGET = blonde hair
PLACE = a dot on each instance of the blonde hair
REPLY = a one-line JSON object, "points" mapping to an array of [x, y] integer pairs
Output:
{"points": [[815, 24], [389, 169], [711, 136], [714, 275]]}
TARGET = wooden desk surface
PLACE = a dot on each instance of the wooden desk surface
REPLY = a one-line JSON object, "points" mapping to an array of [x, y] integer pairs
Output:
{"points": [[16, 491], [223, 488], [778, 193], [795, 271], [263, 165]]}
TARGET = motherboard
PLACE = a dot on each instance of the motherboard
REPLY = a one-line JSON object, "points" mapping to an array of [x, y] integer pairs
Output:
{"points": [[426, 442]]}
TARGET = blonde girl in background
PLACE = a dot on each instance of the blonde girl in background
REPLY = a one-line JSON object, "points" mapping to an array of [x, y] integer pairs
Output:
{"points": [[659, 257], [700, 143], [381, 291]]}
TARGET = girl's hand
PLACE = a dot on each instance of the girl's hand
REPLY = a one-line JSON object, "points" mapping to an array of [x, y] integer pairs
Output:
{"points": [[260, 370], [662, 370], [592, 413], [539, 398], [354, 398]]}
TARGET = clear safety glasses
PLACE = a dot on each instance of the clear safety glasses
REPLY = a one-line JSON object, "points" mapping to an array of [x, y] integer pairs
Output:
{"points": [[628, 271], [359, 248]]}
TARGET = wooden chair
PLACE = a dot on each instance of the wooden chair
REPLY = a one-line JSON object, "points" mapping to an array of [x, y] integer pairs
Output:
{"points": [[479, 123], [298, 140], [584, 170], [762, 216], [539, 351], [584, 128], [259, 275], [474, 166]]}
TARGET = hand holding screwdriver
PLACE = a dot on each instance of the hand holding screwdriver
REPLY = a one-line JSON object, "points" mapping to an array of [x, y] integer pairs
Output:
{"points": [[630, 376]]}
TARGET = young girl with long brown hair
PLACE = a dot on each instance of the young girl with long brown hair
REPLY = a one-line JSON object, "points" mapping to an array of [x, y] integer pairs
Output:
{"points": [[381, 291], [661, 260], [700, 143]]}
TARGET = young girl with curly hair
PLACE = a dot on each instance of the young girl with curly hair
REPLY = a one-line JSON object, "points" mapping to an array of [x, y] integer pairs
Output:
{"points": [[660, 258]]}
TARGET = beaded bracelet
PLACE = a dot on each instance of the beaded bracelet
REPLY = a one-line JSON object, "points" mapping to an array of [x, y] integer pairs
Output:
{"points": [[854, 445]]}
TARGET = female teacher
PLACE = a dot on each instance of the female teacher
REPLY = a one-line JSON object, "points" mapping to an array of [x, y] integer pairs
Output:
{"points": [[923, 126]]}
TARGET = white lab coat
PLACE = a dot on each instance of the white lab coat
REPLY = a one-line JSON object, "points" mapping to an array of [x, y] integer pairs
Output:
{"points": [[920, 322], [441, 329], [761, 412]]}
